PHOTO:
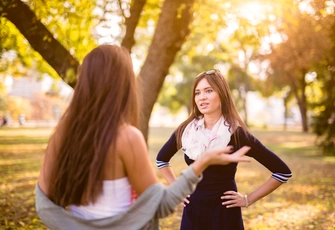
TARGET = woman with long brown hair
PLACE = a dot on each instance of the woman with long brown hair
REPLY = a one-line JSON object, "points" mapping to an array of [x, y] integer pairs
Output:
{"points": [[97, 159], [215, 123]]}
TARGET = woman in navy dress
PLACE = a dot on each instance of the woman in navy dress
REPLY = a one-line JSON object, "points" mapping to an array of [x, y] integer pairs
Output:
{"points": [[214, 122]]}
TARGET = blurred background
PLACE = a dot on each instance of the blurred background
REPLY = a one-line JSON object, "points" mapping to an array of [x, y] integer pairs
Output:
{"points": [[278, 57]]}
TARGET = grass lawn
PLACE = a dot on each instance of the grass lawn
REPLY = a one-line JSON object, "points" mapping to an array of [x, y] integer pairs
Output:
{"points": [[307, 201]]}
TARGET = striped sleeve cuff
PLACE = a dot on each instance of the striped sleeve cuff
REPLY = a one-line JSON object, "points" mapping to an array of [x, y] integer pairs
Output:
{"points": [[162, 164], [281, 177]]}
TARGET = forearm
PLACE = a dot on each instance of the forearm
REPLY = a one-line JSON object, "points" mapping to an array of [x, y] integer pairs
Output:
{"points": [[200, 164], [198, 167], [265, 189], [168, 174], [182, 186]]}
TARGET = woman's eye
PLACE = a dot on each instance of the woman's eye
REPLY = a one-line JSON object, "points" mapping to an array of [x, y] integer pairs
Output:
{"points": [[197, 93], [209, 90]]}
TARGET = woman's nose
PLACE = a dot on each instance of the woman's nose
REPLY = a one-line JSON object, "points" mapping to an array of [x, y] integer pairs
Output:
{"points": [[203, 96]]}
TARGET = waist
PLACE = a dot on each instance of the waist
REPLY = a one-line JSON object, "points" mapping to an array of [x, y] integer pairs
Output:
{"points": [[217, 180], [221, 185]]}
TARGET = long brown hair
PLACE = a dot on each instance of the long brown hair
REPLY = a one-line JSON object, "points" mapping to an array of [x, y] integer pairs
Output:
{"points": [[104, 98], [228, 110]]}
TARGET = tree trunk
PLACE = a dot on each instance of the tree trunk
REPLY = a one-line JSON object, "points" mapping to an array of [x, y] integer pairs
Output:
{"points": [[131, 22], [285, 113], [171, 32], [41, 39], [302, 101], [304, 117]]}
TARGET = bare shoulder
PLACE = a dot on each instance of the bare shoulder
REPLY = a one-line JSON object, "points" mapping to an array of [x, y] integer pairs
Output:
{"points": [[130, 132], [129, 136]]}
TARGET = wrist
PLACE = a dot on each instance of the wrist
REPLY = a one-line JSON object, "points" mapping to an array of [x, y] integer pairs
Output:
{"points": [[246, 201], [200, 164]]}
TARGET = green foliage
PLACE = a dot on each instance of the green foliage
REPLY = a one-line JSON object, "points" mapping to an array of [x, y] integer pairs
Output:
{"points": [[145, 28], [71, 22], [222, 33], [177, 89], [54, 89], [305, 45], [17, 106], [17, 56], [70, 75], [324, 109], [212, 45], [176, 94], [200, 52]]}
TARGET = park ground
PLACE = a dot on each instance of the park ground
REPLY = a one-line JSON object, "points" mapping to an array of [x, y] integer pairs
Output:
{"points": [[307, 201]]}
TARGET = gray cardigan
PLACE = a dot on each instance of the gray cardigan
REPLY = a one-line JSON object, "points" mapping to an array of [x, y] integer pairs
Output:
{"points": [[155, 202]]}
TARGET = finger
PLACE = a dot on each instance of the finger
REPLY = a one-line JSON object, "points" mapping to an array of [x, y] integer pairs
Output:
{"points": [[228, 149], [225, 150], [229, 193], [231, 206], [242, 151], [228, 197], [243, 159], [230, 202], [238, 156], [185, 202]]}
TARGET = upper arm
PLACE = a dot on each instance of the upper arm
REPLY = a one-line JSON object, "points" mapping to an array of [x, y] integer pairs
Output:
{"points": [[133, 152], [167, 152], [47, 164], [262, 154]]}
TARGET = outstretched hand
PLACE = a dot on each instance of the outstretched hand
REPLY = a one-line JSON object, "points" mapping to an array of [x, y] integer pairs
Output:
{"points": [[221, 156], [224, 156]]}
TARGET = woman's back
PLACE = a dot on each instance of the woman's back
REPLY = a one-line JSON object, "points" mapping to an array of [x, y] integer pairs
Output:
{"points": [[124, 161], [116, 198], [117, 191], [124, 165]]}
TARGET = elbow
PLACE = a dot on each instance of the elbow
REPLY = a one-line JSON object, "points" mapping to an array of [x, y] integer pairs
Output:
{"points": [[282, 177], [162, 164]]}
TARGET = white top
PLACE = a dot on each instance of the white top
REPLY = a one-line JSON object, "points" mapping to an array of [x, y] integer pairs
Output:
{"points": [[116, 198]]}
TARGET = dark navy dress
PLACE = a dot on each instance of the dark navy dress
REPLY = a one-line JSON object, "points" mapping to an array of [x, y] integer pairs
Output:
{"points": [[205, 210]]}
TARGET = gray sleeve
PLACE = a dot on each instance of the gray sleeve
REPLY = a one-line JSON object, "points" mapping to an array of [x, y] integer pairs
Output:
{"points": [[175, 193], [157, 201]]}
